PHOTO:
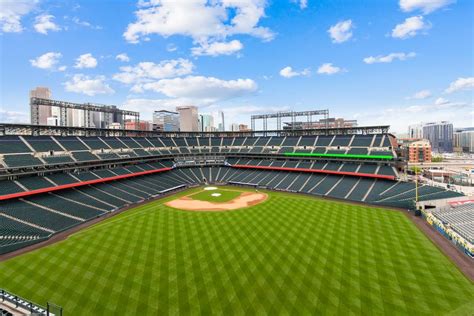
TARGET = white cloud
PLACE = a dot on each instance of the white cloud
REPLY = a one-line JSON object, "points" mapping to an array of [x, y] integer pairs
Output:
{"points": [[122, 57], [62, 68], [410, 27], [441, 101], [85, 61], [80, 22], [45, 23], [288, 72], [303, 4], [7, 116], [461, 84], [217, 48], [11, 13], [46, 61], [90, 86], [148, 71], [202, 90], [171, 47], [329, 69], [426, 6], [204, 21], [388, 58], [420, 95], [341, 31]]}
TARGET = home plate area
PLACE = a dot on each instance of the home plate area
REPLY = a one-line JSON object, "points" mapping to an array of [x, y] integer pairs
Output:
{"points": [[217, 199]]}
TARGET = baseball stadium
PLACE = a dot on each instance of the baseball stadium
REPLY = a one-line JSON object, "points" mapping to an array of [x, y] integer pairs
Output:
{"points": [[108, 222]]}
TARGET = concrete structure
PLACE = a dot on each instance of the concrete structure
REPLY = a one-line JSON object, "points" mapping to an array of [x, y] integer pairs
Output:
{"points": [[166, 121], [419, 151], [322, 123], [188, 118], [52, 121], [44, 111], [464, 140], [415, 131], [440, 135]]}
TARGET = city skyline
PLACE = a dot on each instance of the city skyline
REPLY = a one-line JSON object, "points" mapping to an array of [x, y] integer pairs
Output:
{"points": [[406, 66]]}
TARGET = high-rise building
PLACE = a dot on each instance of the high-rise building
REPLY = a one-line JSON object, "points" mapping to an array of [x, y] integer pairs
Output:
{"points": [[188, 118], [222, 122], [44, 111], [140, 125], [464, 140], [206, 123], [234, 127], [440, 135], [415, 131], [166, 121]]}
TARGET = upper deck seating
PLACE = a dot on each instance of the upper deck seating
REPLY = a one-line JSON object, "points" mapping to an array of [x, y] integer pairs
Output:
{"points": [[22, 160], [42, 143], [12, 145]]}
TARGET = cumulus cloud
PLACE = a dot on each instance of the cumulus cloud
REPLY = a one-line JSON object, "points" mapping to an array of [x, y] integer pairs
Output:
{"points": [[288, 72], [171, 47], [329, 69], [45, 23], [11, 13], [341, 31], [426, 6], [388, 58], [204, 21], [148, 72], [122, 57], [46, 61], [420, 95], [202, 90], [217, 48], [85, 61], [410, 27], [461, 84], [90, 86]]}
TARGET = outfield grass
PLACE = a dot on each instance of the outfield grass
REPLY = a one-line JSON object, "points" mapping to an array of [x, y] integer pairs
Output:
{"points": [[292, 254], [225, 195]]}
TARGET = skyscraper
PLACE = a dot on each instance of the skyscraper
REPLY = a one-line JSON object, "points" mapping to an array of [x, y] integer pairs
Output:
{"points": [[207, 123], [440, 135], [166, 121], [188, 118], [415, 131]]}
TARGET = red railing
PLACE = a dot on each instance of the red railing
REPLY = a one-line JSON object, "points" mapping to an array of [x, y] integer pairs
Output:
{"points": [[79, 184], [342, 173]]}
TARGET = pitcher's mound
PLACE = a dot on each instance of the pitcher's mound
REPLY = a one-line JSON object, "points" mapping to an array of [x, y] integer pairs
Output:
{"points": [[246, 199]]}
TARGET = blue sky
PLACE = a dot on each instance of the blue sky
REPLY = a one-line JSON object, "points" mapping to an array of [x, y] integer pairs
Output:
{"points": [[393, 62]]}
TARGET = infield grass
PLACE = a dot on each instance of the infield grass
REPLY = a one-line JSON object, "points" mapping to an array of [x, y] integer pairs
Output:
{"points": [[291, 254], [226, 195]]}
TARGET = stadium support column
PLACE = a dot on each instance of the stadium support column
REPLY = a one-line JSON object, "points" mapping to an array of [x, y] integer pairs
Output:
{"points": [[252, 123], [34, 112]]}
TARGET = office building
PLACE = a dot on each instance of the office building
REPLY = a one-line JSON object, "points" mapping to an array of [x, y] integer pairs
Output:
{"points": [[188, 118], [166, 121], [243, 128], [206, 123], [464, 140], [440, 136], [415, 131], [234, 127]]}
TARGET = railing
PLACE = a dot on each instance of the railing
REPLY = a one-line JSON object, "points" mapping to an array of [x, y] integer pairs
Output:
{"points": [[19, 302]]}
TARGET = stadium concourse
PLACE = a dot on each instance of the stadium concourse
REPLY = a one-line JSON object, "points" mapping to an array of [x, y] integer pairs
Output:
{"points": [[54, 178]]}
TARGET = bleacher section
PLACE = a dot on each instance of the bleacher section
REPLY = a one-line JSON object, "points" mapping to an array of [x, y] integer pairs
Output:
{"points": [[456, 223], [86, 177]]}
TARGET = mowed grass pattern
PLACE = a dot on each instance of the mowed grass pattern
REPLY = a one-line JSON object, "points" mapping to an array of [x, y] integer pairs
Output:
{"points": [[225, 195], [291, 255]]}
